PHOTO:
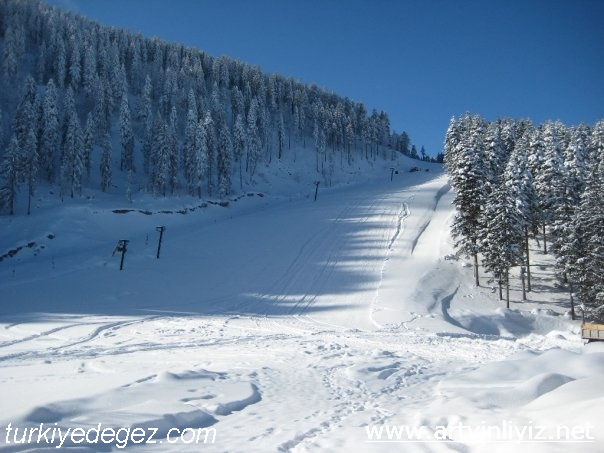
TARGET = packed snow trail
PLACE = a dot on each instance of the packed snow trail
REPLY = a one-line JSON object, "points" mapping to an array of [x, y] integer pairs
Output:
{"points": [[285, 325]]}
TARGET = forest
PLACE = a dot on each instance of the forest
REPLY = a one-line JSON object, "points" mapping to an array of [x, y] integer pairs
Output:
{"points": [[515, 181], [179, 119]]}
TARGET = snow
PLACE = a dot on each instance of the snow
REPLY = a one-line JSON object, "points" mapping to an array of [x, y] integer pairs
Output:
{"points": [[284, 323]]}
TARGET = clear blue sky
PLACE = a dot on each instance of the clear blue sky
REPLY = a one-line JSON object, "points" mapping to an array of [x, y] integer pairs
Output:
{"points": [[421, 61]]}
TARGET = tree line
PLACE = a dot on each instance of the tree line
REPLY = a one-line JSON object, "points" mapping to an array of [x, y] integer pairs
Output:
{"points": [[186, 121], [514, 180]]}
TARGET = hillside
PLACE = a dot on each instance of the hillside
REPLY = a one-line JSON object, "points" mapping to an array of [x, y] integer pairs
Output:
{"points": [[91, 107]]}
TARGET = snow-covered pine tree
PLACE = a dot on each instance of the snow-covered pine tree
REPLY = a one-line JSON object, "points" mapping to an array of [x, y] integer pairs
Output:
{"points": [[224, 160], [161, 172], [495, 154], [105, 164], [30, 161], [468, 180], [25, 117], [239, 140], [61, 65], [9, 175], [281, 135], [519, 184], [143, 110], [50, 131], [190, 151], [253, 139], [88, 143], [501, 246], [89, 73], [200, 159], [127, 137], [551, 176], [72, 162], [172, 143], [147, 147], [75, 65], [588, 225]]}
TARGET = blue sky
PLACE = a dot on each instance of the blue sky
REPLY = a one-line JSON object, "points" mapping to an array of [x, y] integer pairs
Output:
{"points": [[421, 61]]}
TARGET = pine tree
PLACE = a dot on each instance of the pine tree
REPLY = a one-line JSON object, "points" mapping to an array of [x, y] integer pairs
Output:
{"points": [[501, 246], [9, 175], [61, 65], [253, 138], [75, 67], [211, 146], [148, 144], [224, 160], [50, 131], [519, 184], [551, 176], [281, 133], [25, 118], [30, 165], [201, 158], [105, 164], [89, 73], [143, 111], [468, 179], [239, 140], [72, 163], [172, 143], [127, 160], [189, 150], [162, 159], [88, 143], [588, 250]]}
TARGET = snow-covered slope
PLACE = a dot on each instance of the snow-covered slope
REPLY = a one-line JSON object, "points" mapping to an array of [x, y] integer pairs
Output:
{"points": [[286, 324]]}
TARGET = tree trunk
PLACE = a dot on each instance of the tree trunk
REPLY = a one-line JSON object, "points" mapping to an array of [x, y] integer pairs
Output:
{"points": [[507, 288], [528, 262], [500, 288], [572, 303], [476, 269], [523, 284], [544, 240]]}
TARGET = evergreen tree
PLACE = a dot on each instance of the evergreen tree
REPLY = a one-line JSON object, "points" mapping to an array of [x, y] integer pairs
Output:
{"points": [[148, 144], [25, 118], [200, 159], [190, 150], [144, 102], [75, 66], [9, 175], [72, 162], [172, 144], [105, 164], [127, 160], [88, 143], [239, 140], [30, 165], [281, 133], [468, 181], [50, 131], [224, 160]]}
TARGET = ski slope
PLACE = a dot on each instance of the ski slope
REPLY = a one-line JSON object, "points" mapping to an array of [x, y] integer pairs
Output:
{"points": [[285, 324]]}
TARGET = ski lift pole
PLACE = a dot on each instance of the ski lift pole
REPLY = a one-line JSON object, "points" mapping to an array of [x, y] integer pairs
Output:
{"points": [[317, 189], [161, 230], [122, 246]]}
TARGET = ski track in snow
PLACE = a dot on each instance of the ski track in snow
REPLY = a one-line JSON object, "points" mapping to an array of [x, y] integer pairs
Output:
{"points": [[339, 355]]}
